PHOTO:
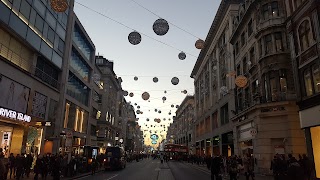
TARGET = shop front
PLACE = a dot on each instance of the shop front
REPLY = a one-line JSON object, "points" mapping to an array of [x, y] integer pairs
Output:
{"points": [[227, 144], [245, 138], [310, 122]]}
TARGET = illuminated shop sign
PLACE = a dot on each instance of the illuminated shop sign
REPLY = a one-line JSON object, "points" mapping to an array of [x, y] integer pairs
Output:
{"points": [[14, 115]]}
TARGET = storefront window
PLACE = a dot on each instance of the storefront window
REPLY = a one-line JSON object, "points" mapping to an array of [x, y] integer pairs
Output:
{"points": [[315, 136], [307, 82], [316, 78]]}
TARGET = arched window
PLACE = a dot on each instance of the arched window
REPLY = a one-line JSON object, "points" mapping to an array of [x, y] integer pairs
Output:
{"points": [[305, 35]]}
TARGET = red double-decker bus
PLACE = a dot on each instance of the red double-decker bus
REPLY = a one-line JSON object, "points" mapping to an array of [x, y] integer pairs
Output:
{"points": [[176, 151]]}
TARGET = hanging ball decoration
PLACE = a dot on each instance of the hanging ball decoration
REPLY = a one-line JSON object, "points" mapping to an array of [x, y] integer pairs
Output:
{"points": [[160, 27], [241, 81], [135, 78], [172, 105], [177, 106], [138, 107], [148, 119], [59, 5], [125, 93], [199, 44], [164, 98], [169, 113], [155, 110], [159, 111], [138, 111], [134, 38], [135, 104], [184, 91], [165, 92], [145, 96], [182, 55], [175, 81], [131, 94], [155, 79]]}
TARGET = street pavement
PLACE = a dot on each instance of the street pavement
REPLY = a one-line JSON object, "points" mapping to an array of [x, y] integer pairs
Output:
{"points": [[149, 169]]}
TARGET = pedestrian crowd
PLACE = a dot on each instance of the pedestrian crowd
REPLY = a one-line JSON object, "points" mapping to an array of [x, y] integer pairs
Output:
{"points": [[23, 165], [283, 168]]}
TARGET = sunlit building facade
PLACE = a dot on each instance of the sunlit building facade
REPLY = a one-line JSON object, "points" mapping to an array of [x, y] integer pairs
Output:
{"points": [[214, 85]]}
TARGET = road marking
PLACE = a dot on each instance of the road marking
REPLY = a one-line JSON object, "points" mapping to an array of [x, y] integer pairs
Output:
{"points": [[112, 177]]}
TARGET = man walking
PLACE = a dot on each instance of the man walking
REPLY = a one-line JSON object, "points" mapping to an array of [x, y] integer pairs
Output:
{"points": [[216, 168]]}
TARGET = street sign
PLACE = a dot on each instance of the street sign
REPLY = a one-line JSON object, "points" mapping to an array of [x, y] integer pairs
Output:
{"points": [[253, 132]]}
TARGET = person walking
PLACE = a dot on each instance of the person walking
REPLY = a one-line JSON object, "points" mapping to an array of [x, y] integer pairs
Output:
{"points": [[216, 168], [38, 168], [295, 171], [3, 171], [248, 164], [12, 165]]}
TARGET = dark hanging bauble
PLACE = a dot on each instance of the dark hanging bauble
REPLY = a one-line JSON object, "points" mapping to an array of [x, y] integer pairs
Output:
{"points": [[134, 38], [175, 81], [155, 79], [160, 27], [182, 55]]}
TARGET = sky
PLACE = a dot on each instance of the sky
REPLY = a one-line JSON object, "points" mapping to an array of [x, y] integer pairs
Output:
{"points": [[150, 58]]}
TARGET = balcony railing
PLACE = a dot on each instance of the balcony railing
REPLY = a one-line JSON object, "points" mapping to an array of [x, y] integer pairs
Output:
{"points": [[46, 78], [15, 58]]}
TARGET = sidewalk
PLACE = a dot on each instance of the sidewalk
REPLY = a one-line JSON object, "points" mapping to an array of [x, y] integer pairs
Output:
{"points": [[242, 177]]}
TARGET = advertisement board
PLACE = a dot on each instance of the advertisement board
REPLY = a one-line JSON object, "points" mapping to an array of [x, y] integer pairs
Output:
{"points": [[13, 95]]}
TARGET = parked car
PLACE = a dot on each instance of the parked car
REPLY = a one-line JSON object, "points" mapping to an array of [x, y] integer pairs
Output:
{"points": [[115, 158]]}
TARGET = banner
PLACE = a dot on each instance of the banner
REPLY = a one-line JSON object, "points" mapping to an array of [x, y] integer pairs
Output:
{"points": [[13, 95]]}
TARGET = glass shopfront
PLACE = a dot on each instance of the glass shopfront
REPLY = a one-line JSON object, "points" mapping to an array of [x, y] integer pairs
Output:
{"points": [[315, 136]]}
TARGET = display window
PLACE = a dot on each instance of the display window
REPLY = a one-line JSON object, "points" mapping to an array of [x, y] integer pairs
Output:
{"points": [[5, 140], [315, 136]]}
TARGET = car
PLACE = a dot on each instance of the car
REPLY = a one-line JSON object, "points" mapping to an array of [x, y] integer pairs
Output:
{"points": [[115, 158]]}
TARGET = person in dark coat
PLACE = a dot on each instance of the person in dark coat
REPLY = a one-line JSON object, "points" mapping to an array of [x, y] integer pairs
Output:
{"points": [[12, 165], [56, 168], [29, 160], [216, 168], [307, 167], [19, 166], [295, 171], [38, 168]]}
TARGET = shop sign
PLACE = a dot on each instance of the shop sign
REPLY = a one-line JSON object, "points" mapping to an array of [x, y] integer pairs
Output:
{"points": [[14, 115], [253, 132]]}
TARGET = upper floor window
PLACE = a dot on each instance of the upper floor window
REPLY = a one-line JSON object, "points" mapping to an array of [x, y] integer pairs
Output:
{"points": [[252, 56], [268, 43], [265, 11], [82, 43], [250, 28], [243, 39], [316, 78], [278, 39], [236, 47], [305, 35], [297, 3], [308, 82], [275, 8], [224, 116]]}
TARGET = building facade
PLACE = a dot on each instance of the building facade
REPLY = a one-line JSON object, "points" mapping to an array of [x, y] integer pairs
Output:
{"points": [[214, 86], [184, 122], [33, 41], [304, 38], [266, 120]]}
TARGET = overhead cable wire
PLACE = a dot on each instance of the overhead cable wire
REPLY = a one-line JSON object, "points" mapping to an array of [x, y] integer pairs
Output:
{"points": [[132, 28], [166, 20]]}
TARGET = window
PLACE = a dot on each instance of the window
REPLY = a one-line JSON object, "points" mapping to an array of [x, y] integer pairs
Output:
{"points": [[273, 86], [247, 99], [46, 72], [305, 35], [260, 47], [77, 89], [283, 83], [238, 70], [240, 99], [255, 87], [278, 38], [307, 82], [215, 120], [237, 47], [50, 35], [266, 88], [224, 116], [268, 43], [243, 39], [316, 78], [25, 9], [93, 130], [275, 9], [244, 66], [61, 45], [250, 28], [297, 3], [252, 56], [39, 23], [265, 11]]}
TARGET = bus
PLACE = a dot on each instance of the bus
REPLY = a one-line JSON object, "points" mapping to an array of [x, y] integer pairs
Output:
{"points": [[176, 151]]}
